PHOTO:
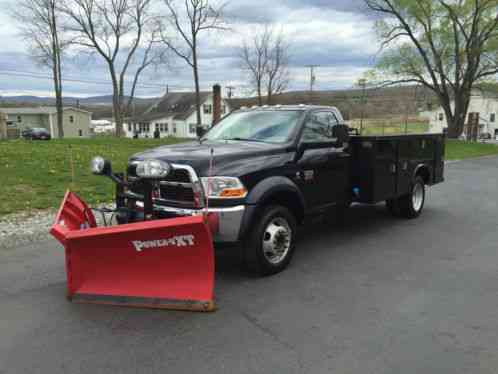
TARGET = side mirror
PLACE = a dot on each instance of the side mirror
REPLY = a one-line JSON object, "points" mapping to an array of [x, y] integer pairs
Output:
{"points": [[200, 131], [341, 133]]}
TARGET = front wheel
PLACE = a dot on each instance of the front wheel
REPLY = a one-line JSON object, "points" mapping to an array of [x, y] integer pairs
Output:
{"points": [[270, 245]]}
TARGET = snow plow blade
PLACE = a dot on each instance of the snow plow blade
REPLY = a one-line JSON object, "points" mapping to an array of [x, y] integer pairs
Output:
{"points": [[162, 264]]}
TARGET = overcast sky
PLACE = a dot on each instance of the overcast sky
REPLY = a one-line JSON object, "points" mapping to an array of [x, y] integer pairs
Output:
{"points": [[335, 34]]}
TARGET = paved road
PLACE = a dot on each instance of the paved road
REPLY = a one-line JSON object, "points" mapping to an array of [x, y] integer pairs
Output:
{"points": [[379, 296]]}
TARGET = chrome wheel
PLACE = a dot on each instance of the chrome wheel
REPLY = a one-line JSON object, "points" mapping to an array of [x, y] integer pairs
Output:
{"points": [[417, 197], [277, 239]]}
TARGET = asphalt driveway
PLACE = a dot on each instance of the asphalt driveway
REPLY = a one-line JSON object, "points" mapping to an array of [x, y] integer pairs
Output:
{"points": [[379, 295]]}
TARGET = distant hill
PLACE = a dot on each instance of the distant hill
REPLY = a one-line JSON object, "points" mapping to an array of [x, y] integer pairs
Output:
{"points": [[100, 106], [376, 103], [87, 101]]}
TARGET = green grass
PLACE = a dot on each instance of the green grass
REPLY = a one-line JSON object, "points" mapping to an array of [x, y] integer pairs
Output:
{"points": [[459, 150], [391, 128], [35, 175]]}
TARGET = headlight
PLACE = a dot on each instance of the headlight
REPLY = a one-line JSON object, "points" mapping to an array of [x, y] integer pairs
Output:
{"points": [[223, 188], [99, 166], [153, 169]]}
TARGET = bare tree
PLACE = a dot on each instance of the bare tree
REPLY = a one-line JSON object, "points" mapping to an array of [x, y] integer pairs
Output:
{"points": [[118, 31], [266, 59], [445, 45], [200, 17], [254, 59], [39, 22]]}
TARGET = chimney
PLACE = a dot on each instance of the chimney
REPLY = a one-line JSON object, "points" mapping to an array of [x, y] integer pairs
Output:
{"points": [[216, 104]]}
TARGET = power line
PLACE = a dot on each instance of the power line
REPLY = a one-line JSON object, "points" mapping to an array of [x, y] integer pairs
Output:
{"points": [[28, 74]]}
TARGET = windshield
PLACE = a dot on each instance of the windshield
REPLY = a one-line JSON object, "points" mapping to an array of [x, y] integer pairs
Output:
{"points": [[258, 126]]}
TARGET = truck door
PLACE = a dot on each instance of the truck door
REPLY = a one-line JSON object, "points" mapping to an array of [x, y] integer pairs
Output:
{"points": [[323, 168]]}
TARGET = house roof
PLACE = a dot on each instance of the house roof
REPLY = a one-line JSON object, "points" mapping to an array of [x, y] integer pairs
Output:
{"points": [[38, 110], [179, 105]]}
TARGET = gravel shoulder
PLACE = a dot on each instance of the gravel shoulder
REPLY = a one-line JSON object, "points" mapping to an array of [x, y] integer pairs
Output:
{"points": [[28, 227]]}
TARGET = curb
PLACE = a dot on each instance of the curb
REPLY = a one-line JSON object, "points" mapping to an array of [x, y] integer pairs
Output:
{"points": [[470, 159]]}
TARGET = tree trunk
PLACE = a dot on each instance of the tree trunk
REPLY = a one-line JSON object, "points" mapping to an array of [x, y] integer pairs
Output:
{"points": [[260, 95], [456, 117], [58, 104], [197, 87], [57, 72], [269, 96], [116, 102]]}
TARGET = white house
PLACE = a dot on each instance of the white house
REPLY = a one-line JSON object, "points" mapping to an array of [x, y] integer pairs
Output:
{"points": [[485, 103], [174, 115]]}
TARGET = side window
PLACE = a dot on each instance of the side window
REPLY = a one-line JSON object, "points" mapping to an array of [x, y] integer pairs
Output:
{"points": [[319, 127]]}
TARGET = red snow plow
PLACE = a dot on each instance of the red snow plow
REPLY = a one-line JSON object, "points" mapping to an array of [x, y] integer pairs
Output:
{"points": [[164, 264]]}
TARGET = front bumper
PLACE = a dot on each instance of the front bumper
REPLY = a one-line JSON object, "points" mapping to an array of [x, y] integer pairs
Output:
{"points": [[229, 218]]}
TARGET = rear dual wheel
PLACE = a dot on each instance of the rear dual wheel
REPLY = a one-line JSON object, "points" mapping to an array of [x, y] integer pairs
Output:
{"points": [[270, 245], [411, 205]]}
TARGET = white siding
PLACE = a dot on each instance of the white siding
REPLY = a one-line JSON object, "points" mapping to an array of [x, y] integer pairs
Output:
{"points": [[485, 106], [182, 126]]}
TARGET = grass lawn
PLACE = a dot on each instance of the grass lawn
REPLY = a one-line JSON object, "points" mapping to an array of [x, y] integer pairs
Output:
{"points": [[391, 128], [459, 150], [35, 175]]}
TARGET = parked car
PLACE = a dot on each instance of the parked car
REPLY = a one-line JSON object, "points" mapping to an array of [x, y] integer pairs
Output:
{"points": [[36, 134]]}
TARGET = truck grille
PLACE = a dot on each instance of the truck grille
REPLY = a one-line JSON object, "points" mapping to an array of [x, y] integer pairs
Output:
{"points": [[178, 188]]}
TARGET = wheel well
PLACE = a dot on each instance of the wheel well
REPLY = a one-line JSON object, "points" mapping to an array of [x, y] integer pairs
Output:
{"points": [[424, 173], [289, 200]]}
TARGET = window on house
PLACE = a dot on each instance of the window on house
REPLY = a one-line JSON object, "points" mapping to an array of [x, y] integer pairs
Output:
{"points": [[441, 116], [191, 128], [166, 127], [208, 109], [19, 119], [492, 117], [80, 132], [157, 126], [174, 128], [129, 127], [71, 119]]}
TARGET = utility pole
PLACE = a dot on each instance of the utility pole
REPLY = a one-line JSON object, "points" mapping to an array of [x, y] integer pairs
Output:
{"points": [[230, 91], [363, 84], [312, 80]]}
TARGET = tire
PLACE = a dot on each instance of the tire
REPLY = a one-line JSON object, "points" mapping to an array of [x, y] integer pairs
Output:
{"points": [[412, 205], [273, 227]]}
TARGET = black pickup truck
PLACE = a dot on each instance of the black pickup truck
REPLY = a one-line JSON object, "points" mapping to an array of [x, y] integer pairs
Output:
{"points": [[263, 171]]}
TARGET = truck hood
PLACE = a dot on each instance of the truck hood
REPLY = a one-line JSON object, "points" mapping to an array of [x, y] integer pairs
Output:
{"points": [[228, 156]]}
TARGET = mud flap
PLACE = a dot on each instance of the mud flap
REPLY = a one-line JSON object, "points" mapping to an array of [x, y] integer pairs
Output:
{"points": [[164, 264]]}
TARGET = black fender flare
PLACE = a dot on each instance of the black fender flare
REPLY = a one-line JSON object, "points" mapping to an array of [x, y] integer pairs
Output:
{"points": [[420, 167], [263, 192]]}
